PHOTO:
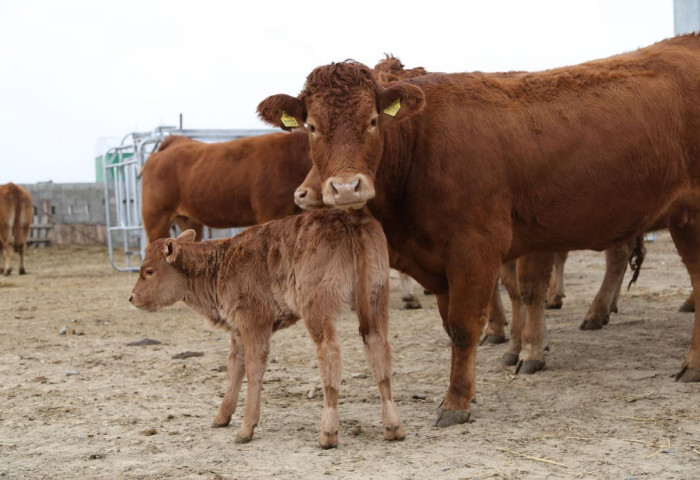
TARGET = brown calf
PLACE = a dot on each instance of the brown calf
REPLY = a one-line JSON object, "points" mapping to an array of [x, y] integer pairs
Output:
{"points": [[16, 211], [307, 266], [451, 165]]}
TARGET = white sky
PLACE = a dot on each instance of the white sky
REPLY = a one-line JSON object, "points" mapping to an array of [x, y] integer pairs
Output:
{"points": [[72, 71]]}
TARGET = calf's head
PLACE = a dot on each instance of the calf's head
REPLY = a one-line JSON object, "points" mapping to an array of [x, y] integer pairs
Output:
{"points": [[161, 283], [346, 113]]}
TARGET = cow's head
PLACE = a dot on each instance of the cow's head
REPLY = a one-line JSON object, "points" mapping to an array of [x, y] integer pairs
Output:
{"points": [[308, 195], [346, 113], [161, 282]]}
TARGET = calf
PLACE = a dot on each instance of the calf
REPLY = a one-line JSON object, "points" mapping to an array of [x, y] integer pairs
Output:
{"points": [[16, 211], [307, 266]]}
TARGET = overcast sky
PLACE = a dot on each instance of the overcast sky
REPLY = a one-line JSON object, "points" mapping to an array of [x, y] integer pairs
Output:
{"points": [[73, 71]]}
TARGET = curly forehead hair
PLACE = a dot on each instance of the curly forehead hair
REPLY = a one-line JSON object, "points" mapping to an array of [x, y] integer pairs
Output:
{"points": [[334, 83]]}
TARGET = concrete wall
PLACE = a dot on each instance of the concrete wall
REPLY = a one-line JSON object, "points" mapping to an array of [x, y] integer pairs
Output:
{"points": [[72, 203], [686, 16]]}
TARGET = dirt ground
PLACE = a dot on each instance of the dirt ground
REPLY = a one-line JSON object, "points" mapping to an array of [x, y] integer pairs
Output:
{"points": [[84, 404]]}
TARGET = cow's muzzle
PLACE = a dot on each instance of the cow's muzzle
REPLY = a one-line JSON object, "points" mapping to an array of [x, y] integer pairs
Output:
{"points": [[308, 198], [348, 192]]}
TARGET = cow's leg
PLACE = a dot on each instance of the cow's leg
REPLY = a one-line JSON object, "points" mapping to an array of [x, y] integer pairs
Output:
{"points": [[7, 256], [255, 351], [20, 249], [186, 223], [495, 332], [533, 271], [510, 281], [684, 225], [378, 353], [156, 223], [555, 292], [605, 301], [689, 304], [471, 282], [410, 299], [235, 370]]}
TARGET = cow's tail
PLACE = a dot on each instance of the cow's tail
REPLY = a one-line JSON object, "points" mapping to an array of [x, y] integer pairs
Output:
{"points": [[637, 258], [363, 294]]}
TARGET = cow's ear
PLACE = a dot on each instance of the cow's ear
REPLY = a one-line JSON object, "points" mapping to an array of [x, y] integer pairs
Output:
{"points": [[187, 236], [401, 101], [282, 111], [171, 250]]}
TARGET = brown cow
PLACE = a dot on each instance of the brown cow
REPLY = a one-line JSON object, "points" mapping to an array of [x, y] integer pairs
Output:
{"points": [[307, 266], [16, 212], [229, 184], [452, 164]]}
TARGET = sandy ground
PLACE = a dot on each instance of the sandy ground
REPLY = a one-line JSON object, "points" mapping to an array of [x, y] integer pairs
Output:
{"points": [[84, 404]]}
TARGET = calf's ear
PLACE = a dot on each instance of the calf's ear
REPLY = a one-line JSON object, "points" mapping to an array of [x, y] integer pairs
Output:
{"points": [[171, 250], [401, 101], [187, 236], [282, 111]]}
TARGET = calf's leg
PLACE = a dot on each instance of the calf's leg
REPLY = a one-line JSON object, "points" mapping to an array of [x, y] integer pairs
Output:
{"points": [[235, 369], [255, 351], [378, 353]]}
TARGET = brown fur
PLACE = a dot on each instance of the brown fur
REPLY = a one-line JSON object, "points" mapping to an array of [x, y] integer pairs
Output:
{"points": [[16, 212], [222, 185], [455, 177], [268, 277]]}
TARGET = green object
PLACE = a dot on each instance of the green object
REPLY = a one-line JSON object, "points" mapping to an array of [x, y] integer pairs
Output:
{"points": [[112, 158]]}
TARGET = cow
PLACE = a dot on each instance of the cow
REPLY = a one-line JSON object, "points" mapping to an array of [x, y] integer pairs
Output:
{"points": [[452, 167], [223, 185], [16, 212], [306, 266]]}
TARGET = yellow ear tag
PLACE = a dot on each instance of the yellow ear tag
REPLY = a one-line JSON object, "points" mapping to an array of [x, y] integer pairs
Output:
{"points": [[288, 121], [393, 109]]}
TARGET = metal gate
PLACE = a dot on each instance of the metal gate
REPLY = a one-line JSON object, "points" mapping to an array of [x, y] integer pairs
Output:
{"points": [[126, 238]]}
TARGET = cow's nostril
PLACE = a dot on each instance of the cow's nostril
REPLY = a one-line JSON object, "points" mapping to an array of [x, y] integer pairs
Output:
{"points": [[131, 298], [302, 193], [335, 190], [356, 184]]}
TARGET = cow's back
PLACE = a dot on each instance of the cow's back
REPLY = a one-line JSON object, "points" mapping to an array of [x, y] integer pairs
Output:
{"points": [[229, 184]]}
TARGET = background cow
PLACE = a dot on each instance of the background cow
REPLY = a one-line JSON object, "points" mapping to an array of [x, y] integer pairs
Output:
{"points": [[308, 266], [16, 212], [451, 165]]}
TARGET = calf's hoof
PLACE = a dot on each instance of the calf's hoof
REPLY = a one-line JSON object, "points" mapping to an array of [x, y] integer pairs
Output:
{"points": [[591, 324], [509, 359], [328, 440], [448, 418], [529, 366], [218, 424], [22, 271], [687, 307], [241, 439], [394, 432], [688, 375], [7, 271]]}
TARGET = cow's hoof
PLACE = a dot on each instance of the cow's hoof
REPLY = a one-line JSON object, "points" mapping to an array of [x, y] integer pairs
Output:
{"points": [[22, 271], [554, 305], [509, 359], [688, 375], [394, 432], [590, 324], [7, 272], [411, 304], [240, 439], [529, 366], [687, 307], [493, 339], [448, 418]]}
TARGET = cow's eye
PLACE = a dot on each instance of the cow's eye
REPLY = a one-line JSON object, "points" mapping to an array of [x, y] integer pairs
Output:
{"points": [[148, 272], [311, 127], [373, 122]]}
